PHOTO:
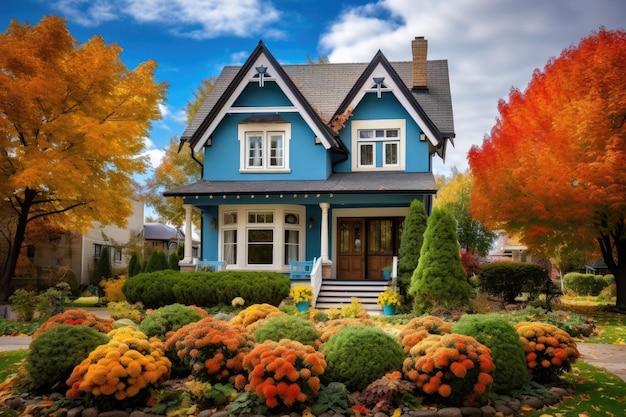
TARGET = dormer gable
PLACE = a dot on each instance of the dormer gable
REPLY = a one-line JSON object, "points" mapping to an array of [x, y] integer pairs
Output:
{"points": [[259, 70], [380, 77]]}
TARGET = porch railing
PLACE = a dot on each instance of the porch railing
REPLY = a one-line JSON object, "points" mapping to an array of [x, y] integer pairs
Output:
{"points": [[316, 279]]}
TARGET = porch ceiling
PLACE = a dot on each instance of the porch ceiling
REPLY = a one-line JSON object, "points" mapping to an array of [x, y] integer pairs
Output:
{"points": [[339, 183]]}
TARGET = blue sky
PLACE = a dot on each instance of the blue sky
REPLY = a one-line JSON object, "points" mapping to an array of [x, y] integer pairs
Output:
{"points": [[490, 45]]}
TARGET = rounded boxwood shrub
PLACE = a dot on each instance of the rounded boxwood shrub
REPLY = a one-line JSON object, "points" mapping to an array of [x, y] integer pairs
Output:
{"points": [[54, 354], [169, 319], [359, 355], [288, 327], [507, 350], [585, 284]]}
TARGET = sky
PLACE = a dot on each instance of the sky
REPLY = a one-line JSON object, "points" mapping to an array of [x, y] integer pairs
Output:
{"points": [[491, 45]]}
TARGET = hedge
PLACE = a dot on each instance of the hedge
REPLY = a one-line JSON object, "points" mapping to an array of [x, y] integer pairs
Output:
{"points": [[509, 279], [206, 289]]}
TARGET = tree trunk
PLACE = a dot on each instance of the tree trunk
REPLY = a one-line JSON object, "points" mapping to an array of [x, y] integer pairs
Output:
{"points": [[16, 247], [614, 255]]}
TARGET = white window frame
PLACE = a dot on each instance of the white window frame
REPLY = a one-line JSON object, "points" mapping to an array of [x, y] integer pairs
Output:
{"points": [[278, 225], [265, 131], [383, 124]]}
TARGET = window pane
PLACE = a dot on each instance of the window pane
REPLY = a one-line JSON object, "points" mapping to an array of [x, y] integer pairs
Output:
{"points": [[292, 247], [292, 218], [366, 134], [230, 218], [230, 247], [260, 247], [392, 133], [391, 153], [366, 154], [260, 217], [276, 149], [255, 150], [380, 133]]}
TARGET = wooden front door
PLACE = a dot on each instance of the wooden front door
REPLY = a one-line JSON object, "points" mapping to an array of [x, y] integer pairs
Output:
{"points": [[350, 248]]}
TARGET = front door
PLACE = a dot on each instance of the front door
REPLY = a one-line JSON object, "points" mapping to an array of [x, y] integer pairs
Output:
{"points": [[350, 248]]}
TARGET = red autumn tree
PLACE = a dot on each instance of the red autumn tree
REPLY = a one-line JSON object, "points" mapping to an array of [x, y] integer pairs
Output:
{"points": [[553, 169]]}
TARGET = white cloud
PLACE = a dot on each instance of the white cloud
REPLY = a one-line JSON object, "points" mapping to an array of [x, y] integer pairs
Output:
{"points": [[197, 19], [490, 45]]}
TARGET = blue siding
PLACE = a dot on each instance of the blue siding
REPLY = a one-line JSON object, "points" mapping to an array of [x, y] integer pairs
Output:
{"points": [[387, 107], [267, 96], [307, 160]]}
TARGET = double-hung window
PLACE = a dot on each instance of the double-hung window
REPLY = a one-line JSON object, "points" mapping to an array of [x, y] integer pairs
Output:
{"points": [[264, 147], [379, 145]]}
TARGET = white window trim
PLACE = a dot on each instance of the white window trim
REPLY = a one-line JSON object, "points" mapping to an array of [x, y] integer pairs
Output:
{"points": [[278, 226], [382, 124], [265, 129]]}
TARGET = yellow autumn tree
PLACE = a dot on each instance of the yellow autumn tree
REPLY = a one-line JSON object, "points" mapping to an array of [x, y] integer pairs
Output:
{"points": [[73, 119]]}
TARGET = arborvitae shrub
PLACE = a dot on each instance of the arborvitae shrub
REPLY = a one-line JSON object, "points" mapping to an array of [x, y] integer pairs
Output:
{"points": [[173, 260], [507, 350], [439, 281], [359, 355], [134, 266], [288, 327], [54, 354], [412, 237], [104, 269], [156, 262], [169, 319]]}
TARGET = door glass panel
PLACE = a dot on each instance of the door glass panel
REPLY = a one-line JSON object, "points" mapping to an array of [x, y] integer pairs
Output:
{"points": [[344, 237], [357, 237]]}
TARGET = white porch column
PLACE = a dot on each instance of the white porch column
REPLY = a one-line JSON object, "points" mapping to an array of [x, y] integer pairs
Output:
{"points": [[324, 232], [188, 259]]}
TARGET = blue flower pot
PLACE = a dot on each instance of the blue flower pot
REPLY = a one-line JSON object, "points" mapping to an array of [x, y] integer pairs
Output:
{"points": [[389, 310], [302, 306]]}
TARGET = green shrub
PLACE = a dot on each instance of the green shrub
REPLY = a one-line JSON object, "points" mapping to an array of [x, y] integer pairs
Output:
{"points": [[586, 284], [153, 290], [172, 261], [509, 279], [287, 327], [54, 354], [103, 269], [169, 318], [134, 266], [439, 281], [156, 262], [359, 355], [507, 350], [206, 289], [412, 238]]}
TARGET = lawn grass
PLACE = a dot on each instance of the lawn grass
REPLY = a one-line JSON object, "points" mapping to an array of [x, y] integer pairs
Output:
{"points": [[10, 361], [598, 393]]}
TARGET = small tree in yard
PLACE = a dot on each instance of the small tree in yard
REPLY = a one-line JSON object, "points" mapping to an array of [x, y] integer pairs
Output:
{"points": [[411, 243], [104, 269], [439, 279]]}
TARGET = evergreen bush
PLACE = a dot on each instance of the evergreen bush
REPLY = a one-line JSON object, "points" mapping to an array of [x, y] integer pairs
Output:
{"points": [[439, 279], [412, 237], [359, 355], [173, 260], [507, 350], [508, 279], [134, 266], [156, 262], [53, 355], [585, 284], [169, 319], [104, 269], [153, 290], [288, 327]]}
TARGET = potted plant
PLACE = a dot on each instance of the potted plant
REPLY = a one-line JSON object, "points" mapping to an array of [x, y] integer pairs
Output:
{"points": [[389, 299], [387, 272], [302, 295]]}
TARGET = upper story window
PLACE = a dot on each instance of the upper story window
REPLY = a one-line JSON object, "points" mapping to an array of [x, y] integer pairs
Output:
{"points": [[378, 145], [264, 147]]}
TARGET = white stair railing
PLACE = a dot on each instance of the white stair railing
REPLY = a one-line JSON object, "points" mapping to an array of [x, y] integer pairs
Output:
{"points": [[316, 279]]}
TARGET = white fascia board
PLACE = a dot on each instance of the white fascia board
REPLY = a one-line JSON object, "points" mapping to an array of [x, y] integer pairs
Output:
{"points": [[249, 77], [380, 71]]}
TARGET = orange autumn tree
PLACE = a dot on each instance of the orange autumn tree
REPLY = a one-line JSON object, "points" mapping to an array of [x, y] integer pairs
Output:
{"points": [[73, 119], [553, 169]]}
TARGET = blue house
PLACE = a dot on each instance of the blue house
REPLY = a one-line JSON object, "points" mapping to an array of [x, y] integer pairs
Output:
{"points": [[316, 161]]}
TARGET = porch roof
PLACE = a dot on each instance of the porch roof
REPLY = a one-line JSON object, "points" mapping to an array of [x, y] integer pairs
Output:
{"points": [[338, 183]]}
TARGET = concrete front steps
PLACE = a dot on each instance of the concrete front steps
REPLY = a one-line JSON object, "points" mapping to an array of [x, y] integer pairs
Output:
{"points": [[338, 293]]}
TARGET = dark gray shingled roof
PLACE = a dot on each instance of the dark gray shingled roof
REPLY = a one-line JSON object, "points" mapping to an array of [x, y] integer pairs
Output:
{"points": [[337, 183], [325, 86]]}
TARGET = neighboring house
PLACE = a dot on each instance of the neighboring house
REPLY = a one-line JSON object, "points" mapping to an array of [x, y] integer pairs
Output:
{"points": [[165, 238], [316, 161], [79, 252], [597, 267]]}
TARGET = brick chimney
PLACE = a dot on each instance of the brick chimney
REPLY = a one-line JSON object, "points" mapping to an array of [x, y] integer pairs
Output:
{"points": [[419, 46]]}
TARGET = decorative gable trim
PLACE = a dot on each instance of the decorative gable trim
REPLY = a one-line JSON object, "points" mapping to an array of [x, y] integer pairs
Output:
{"points": [[272, 71], [379, 76]]}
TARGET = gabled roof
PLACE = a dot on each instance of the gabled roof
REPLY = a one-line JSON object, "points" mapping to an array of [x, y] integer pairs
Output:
{"points": [[218, 101], [158, 231], [323, 89]]}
